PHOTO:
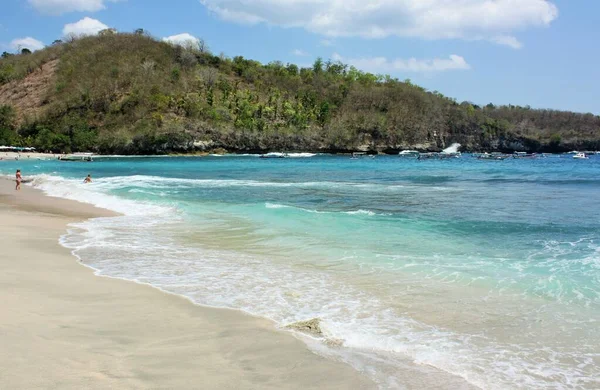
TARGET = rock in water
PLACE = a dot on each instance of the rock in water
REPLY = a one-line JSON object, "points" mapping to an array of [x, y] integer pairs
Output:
{"points": [[312, 327]]}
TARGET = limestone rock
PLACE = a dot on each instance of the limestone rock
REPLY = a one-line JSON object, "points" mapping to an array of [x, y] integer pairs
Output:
{"points": [[312, 327]]}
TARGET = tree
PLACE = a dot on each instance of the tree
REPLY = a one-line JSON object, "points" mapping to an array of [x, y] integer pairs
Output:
{"points": [[107, 32], [83, 139], [148, 67], [292, 69], [240, 64], [60, 143], [7, 117], [71, 37], [187, 59], [336, 68], [208, 76], [6, 54], [57, 42], [324, 112], [25, 51], [318, 65], [175, 74], [555, 139], [202, 46]]}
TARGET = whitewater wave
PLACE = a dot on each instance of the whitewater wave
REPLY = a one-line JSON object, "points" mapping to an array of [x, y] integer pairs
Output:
{"points": [[369, 213], [289, 155], [452, 149], [276, 206], [122, 156], [149, 182], [96, 195]]}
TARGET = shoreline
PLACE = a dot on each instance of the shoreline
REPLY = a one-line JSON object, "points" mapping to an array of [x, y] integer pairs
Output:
{"points": [[24, 156], [13, 156], [68, 328]]}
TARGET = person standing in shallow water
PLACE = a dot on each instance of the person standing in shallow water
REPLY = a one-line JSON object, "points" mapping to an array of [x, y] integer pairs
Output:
{"points": [[18, 179], [88, 179]]}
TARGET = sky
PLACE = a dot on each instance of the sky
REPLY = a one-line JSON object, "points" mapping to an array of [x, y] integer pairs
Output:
{"points": [[541, 53]]}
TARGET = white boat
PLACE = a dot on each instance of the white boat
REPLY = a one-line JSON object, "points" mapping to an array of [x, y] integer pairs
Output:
{"points": [[493, 156], [581, 156], [356, 155], [524, 155], [88, 157], [409, 153]]}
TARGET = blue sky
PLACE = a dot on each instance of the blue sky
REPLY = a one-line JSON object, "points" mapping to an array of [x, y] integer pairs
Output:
{"points": [[526, 52]]}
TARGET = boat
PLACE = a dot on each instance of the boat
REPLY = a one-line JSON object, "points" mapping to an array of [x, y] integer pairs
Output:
{"points": [[409, 154], [524, 155], [87, 157], [427, 156], [444, 155], [581, 156], [274, 155], [493, 156]]}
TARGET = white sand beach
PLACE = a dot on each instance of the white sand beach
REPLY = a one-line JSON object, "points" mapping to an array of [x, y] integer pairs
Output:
{"points": [[62, 327], [11, 156]]}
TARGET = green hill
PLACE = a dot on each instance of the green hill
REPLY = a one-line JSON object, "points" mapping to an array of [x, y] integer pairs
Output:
{"points": [[132, 94]]}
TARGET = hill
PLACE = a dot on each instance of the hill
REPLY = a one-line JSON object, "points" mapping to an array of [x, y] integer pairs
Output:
{"points": [[132, 94]]}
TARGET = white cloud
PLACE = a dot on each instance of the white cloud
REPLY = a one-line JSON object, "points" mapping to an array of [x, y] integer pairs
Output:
{"points": [[86, 26], [507, 40], [57, 7], [492, 20], [299, 53], [383, 65], [27, 43], [326, 42], [184, 39]]}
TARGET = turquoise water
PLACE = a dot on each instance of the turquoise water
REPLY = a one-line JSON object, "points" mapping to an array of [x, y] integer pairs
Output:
{"points": [[424, 273]]}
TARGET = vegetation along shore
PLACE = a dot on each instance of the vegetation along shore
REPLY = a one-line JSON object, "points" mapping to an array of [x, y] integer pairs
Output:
{"points": [[128, 93]]}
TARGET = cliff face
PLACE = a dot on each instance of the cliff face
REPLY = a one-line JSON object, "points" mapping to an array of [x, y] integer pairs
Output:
{"points": [[127, 93]]}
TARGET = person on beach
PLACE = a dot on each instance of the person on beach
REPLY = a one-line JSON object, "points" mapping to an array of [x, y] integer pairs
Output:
{"points": [[18, 180], [88, 179]]}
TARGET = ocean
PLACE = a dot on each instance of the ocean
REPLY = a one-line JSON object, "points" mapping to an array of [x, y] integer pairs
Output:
{"points": [[424, 274]]}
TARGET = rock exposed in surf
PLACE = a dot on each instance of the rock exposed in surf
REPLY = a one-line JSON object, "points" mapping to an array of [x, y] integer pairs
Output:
{"points": [[334, 342], [312, 327]]}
